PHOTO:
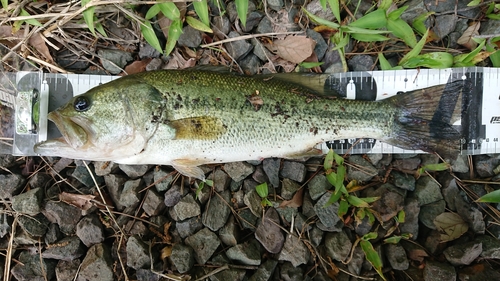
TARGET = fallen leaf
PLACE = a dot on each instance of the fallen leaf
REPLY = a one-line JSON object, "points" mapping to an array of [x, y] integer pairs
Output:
{"points": [[296, 200], [450, 225], [36, 41], [137, 66], [81, 201], [417, 255], [466, 38], [166, 252], [293, 48]]}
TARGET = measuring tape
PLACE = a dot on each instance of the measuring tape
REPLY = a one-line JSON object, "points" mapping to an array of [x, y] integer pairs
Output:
{"points": [[33, 94]]}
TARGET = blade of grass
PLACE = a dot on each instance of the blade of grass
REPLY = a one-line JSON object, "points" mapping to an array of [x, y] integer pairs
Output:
{"points": [[402, 30], [88, 16], [174, 32], [150, 36], [169, 10], [335, 7], [321, 21], [416, 50], [196, 24], [242, 10], [29, 21], [201, 8]]}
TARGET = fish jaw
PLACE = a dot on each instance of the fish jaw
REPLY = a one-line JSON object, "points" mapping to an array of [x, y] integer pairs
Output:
{"points": [[74, 135]]}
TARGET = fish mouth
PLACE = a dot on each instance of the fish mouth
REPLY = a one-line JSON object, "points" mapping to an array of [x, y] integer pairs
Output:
{"points": [[74, 134]]}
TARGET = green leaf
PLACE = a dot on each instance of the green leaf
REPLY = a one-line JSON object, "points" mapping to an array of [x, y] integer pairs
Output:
{"points": [[492, 197], [385, 4], [416, 50], [373, 20], [474, 3], [323, 4], [262, 190], [266, 202], [242, 9], [343, 208], [209, 183], [333, 198], [369, 37], [170, 10], [321, 21], [372, 256], [29, 21], [493, 16], [361, 31], [196, 24], [361, 213], [335, 6], [328, 163], [431, 60], [469, 57], [369, 236], [88, 16], [310, 64], [338, 159], [153, 11], [419, 22], [341, 40], [357, 202], [201, 185], [370, 199], [392, 240], [396, 14], [402, 30], [201, 8], [401, 216], [494, 57], [5, 3], [434, 167], [174, 32], [150, 36], [371, 217], [384, 63]]}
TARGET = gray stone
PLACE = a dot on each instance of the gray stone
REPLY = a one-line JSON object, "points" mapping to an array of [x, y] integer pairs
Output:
{"points": [[289, 188], [97, 265], [253, 202], [338, 245], [316, 236], [220, 179], [82, 175], [356, 263], [247, 253], [188, 227], [229, 234], [67, 249], [103, 168], [162, 179], [35, 226], [268, 232], [174, 195], [451, 192], [146, 275], [153, 203], [217, 211], [187, 208], [190, 37], [259, 175], [67, 270], [66, 216], [294, 251], [114, 185], [363, 227], [289, 272], [253, 20], [390, 203], [137, 253], [461, 164], [444, 25], [229, 274], [471, 215], [396, 256], [436, 271], [130, 195], [134, 171], [321, 46], [406, 162], [328, 215], [362, 63], [250, 64], [318, 185], [287, 213], [264, 26], [463, 254], [427, 191], [484, 165], [39, 180], [360, 170], [491, 247], [238, 171], [221, 26], [90, 230], [204, 244], [182, 257], [11, 185], [32, 268], [155, 64], [314, 7], [412, 211], [114, 60], [430, 211], [147, 51], [237, 49], [403, 181], [294, 170], [53, 234], [265, 271], [271, 167], [275, 4], [479, 272], [248, 219], [258, 48], [233, 14]]}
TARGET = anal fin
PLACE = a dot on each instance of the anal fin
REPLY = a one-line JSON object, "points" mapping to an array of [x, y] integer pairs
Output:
{"points": [[189, 168]]}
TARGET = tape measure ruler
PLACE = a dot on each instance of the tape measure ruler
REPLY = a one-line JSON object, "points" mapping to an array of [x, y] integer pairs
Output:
{"points": [[31, 95]]}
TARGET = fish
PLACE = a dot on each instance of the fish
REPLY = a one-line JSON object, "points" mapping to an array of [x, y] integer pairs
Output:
{"points": [[188, 118]]}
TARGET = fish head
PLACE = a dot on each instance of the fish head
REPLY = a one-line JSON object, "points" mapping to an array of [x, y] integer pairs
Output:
{"points": [[107, 123]]}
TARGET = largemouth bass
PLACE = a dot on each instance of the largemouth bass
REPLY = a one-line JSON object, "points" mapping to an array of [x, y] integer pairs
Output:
{"points": [[186, 118]]}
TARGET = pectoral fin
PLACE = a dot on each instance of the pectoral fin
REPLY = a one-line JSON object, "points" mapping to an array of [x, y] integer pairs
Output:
{"points": [[202, 127], [189, 168]]}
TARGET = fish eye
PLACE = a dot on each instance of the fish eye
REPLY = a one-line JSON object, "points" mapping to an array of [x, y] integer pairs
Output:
{"points": [[81, 104]]}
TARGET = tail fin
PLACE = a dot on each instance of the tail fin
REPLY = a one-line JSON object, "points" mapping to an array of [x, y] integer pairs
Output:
{"points": [[425, 117]]}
